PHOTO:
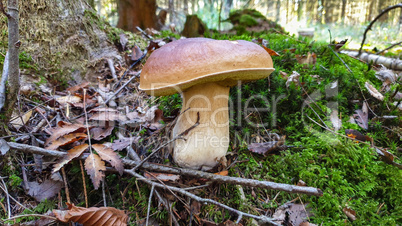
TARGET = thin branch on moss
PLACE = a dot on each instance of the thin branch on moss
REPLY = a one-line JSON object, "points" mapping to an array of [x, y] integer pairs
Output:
{"points": [[202, 200], [374, 20], [187, 172], [388, 48], [8, 197]]}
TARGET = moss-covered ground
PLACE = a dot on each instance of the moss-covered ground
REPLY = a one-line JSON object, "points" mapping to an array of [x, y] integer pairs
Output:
{"points": [[350, 173]]}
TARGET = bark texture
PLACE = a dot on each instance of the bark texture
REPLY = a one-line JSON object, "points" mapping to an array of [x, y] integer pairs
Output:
{"points": [[141, 13]]}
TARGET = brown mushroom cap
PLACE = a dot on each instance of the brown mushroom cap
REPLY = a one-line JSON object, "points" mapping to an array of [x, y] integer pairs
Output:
{"points": [[181, 64]]}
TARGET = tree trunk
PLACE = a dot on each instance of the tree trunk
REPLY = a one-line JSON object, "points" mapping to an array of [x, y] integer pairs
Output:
{"points": [[141, 13], [62, 40], [278, 11], [343, 12], [171, 11]]}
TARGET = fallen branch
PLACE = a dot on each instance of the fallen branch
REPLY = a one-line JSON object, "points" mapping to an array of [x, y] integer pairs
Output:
{"points": [[391, 63], [375, 19], [390, 47], [202, 200], [187, 172]]}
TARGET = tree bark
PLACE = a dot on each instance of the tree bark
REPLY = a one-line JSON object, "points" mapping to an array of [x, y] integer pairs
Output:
{"points": [[343, 12], [13, 62], [141, 13]]}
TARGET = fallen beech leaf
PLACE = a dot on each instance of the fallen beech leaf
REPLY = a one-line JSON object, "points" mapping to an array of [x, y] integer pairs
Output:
{"points": [[340, 44], [357, 135], [222, 173], [310, 58], [4, 148], [71, 154], [95, 167], [18, 121], [387, 157], [109, 156], [66, 139], [63, 129], [267, 147], [294, 77], [374, 92], [350, 213], [45, 190], [291, 214], [105, 216], [162, 176], [270, 51], [361, 117], [119, 145], [136, 53], [284, 75], [98, 133], [78, 87]]}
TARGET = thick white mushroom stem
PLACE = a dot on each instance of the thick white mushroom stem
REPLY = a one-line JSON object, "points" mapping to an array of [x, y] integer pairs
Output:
{"points": [[204, 146]]}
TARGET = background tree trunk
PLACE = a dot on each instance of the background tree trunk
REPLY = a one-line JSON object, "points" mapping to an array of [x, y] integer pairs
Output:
{"points": [[141, 13]]}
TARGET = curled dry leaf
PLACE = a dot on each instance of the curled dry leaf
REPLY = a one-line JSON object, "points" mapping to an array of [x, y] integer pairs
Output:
{"points": [[294, 77], [63, 129], [98, 133], [361, 117], [109, 156], [71, 154], [19, 121], [350, 213], [66, 139], [357, 135], [267, 147], [4, 148], [374, 92], [310, 58], [93, 216], [95, 167]]}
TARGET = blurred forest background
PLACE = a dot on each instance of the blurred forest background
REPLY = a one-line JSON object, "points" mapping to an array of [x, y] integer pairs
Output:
{"points": [[344, 18]]}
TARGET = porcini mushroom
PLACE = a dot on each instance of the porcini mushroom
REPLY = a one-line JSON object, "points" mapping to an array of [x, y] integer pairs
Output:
{"points": [[203, 70]]}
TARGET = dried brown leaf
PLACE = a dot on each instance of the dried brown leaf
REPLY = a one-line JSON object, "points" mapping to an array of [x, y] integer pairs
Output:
{"points": [[267, 147], [45, 190], [78, 87], [361, 119], [93, 216], [98, 133], [64, 128], [374, 92], [109, 156], [95, 167], [71, 154], [66, 139], [350, 213], [294, 77]]}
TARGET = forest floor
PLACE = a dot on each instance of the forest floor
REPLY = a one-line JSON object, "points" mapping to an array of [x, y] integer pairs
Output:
{"points": [[333, 123]]}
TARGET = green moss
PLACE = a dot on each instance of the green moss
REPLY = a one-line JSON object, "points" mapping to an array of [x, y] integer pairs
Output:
{"points": [[247, 20]]}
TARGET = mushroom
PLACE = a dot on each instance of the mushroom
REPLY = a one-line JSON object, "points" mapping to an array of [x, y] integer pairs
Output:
{"points": [[202, 70]]}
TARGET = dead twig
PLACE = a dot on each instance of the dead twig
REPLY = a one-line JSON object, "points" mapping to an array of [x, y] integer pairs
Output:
{"points": [[8, 197], [149, 203], [374, 20], [29, 215], [187, 172], [201, 200], [122, 87], [112, 69], [84, 184], [63, 172], [4, 78], [172, 140], [390, 47]]}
